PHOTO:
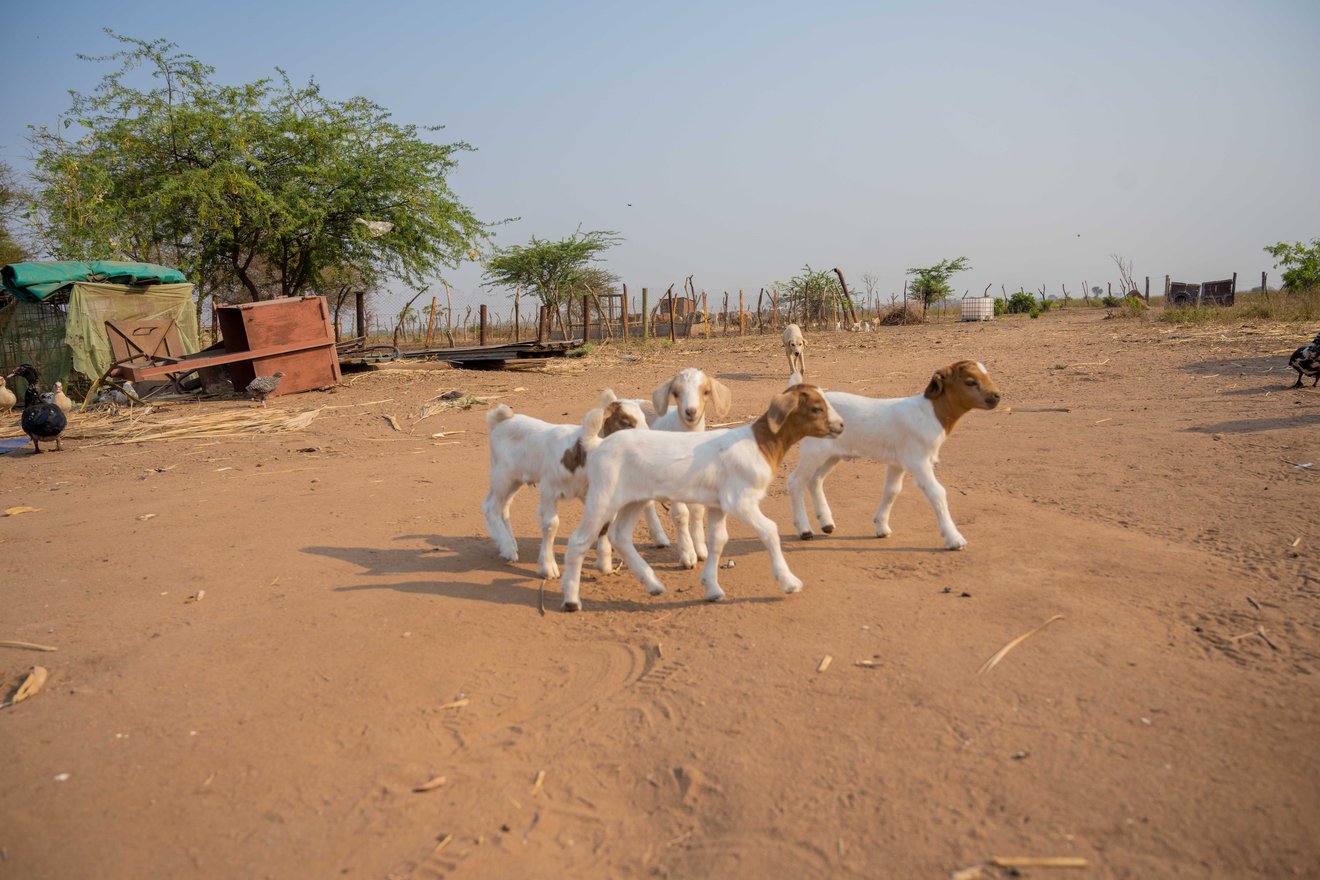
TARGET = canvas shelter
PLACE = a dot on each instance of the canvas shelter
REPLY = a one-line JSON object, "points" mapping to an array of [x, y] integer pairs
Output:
{"points": [[56, 312]]}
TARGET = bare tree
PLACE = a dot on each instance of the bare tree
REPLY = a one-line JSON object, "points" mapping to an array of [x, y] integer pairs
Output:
{"points": [[1125, 276]]}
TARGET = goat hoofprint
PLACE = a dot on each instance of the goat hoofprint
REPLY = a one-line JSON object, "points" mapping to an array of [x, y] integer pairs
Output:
{"points": [[726, 470], [905, 433]]}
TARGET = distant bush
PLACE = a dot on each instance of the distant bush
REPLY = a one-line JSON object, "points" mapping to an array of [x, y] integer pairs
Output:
{"points": [[1021, 303], [999, 306], [1034, 313]]}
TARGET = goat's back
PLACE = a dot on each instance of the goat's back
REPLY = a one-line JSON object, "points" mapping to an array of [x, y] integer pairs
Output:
{"points": [[687, 466]]}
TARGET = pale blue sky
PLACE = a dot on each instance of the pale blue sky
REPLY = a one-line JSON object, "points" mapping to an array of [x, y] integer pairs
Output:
{"points": [[751, 138]]}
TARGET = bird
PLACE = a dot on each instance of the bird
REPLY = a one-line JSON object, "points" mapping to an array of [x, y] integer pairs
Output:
{"points": [[263, 386], [42, 419], [1306, 361], [62, 399], [7, 398]]}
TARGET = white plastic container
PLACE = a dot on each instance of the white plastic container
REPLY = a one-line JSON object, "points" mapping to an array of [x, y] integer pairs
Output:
{"points": [[978, 308]]}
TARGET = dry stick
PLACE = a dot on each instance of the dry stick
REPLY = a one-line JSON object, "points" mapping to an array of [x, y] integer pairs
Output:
{"points": [[543, 597], [449, 314], [672, 317], [1038, 862], [7, 643], [999, 655]]}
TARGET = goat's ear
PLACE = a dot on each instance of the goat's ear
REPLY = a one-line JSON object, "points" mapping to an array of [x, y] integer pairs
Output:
{"points": [[780, 408], [723, 399], [660, 398], [608, 396], [936, 386]]}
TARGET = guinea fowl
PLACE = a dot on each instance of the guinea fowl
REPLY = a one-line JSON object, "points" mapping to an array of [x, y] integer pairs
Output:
{"points": [[7, 398], [42, 419], [61, 399], [261, 387], [1306, 361]]}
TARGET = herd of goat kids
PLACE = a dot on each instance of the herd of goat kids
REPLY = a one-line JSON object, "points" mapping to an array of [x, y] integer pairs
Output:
{"points": [[622, 460]]}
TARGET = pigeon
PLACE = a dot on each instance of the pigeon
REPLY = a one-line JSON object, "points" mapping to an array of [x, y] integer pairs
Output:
{"points": [[7, 398], [42, 419], [1306, 361], [62, 399], [261, 387]]}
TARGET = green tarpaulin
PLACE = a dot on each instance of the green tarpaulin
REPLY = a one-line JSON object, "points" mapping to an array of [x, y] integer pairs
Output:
{"points": [[33, 282]]}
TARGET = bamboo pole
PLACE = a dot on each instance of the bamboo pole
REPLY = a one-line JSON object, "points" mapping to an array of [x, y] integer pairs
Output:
{"points": [[430, 326], [670, 294]]}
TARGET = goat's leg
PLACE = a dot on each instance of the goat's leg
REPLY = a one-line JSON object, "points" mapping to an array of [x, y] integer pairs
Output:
{"points": [[622, 534], [717, 535], [687, 554], [495, 508], [655, 527], [593, 520], [816, 485], [605, 552], [797, 498], [893, 485], [697, 526], [748, 509], [924, 474], [549, 514]]}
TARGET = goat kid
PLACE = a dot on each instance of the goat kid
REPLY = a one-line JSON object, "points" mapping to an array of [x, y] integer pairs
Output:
{"points": [[795, 347], [726, 470], [905, 433], [681, 404], [527, 451]]}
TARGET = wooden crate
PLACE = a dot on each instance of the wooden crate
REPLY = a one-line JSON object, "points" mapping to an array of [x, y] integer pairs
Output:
{"points": [[302, 323]]}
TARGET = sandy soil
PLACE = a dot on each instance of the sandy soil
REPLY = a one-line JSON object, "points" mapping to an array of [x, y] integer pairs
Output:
{"points": [[358, 637]]}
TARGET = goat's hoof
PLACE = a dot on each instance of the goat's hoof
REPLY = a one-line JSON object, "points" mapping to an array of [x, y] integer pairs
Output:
{"points": [[549, 572], [570, 607], [807, 535], [660, 545], [793, 586], [829, 529], [716, 596], [656, 590], [883, 533]]}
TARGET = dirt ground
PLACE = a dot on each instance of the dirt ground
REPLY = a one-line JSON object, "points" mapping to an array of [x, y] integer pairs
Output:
{"points": [[357, 637]]}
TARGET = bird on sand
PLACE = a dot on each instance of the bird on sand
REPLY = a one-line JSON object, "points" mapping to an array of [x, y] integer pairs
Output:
{"points": [[1306, 361], [62, 399], [42, 419], [261, 387]]}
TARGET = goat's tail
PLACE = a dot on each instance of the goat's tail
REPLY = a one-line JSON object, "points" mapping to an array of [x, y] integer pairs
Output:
{"points": [[592, 422], [498, 414]]}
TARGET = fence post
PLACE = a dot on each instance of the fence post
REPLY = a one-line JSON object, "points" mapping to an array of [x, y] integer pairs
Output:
{"points": [[646, 315], [740, 312], [586, 320], [705, 313], [774, 304], [360, 302], [1147, 290], [482, 340], [1263, 288], [1234, 290], [672, 316], [626, 306]]}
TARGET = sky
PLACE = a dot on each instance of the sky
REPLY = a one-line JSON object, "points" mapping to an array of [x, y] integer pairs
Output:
{"points": [[739, 142]]}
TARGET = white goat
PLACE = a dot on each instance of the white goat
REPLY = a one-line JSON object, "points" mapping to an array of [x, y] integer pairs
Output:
{"points": [[681, 404], [526, 451], [795, 346], [727, 470], [904, 432]]}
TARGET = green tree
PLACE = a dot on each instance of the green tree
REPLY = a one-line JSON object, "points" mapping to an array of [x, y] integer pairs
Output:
{"points": [[1300, 262], [255, 190], [11, 205], [931, 284], [553, 271]]}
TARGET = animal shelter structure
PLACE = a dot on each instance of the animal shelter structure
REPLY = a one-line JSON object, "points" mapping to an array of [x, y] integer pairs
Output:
{"points": [[53, 315], [1207, 293]]}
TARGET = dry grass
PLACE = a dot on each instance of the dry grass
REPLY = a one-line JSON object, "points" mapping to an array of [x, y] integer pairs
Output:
{"points": [[1271, 305], [151, 423]]}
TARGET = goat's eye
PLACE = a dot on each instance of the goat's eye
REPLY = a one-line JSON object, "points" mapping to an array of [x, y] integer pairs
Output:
{"points": [[706, 393], [971, 382]]}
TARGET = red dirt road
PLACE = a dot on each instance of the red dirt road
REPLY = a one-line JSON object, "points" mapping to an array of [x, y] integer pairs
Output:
{"points": [[357, 637]]}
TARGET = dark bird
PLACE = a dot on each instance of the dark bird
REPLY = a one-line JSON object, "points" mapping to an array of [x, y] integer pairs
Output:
{"points": [[1306, 361], [42, 419], [261, 387]]}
